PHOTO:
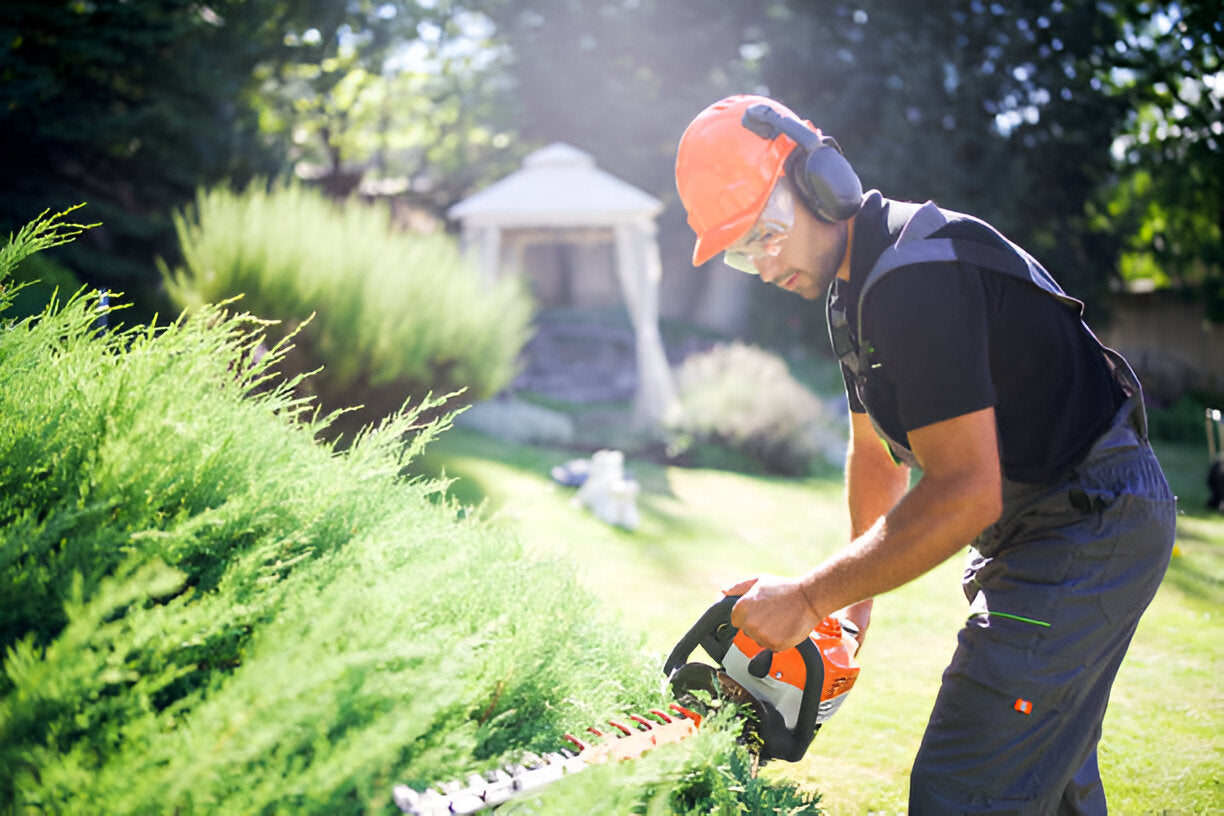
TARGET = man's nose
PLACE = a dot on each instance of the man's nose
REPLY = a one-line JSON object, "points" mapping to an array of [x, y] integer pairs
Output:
{"points": [[768, 267]]}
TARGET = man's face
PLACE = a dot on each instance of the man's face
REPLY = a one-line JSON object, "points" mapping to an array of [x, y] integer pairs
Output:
{"points": [[808, 258]]}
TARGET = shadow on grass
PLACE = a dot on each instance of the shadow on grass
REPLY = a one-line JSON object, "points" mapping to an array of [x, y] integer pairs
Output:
{"points": [[1195, 578]]}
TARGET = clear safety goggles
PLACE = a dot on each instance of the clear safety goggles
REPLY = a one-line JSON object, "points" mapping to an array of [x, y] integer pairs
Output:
{"points": [[765, 238]]}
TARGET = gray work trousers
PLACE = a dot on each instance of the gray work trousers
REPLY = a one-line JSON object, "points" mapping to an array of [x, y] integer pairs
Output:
{"points": [[1056, 589]]}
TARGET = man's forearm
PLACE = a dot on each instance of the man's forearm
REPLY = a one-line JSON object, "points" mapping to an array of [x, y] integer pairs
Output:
{"points": [[930, 524], [957, 497]]}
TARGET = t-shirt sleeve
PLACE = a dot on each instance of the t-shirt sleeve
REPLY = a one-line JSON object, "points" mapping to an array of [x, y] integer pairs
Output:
{"points": [[928, 328]]}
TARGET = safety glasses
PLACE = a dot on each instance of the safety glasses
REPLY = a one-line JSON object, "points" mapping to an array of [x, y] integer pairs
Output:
{"points": [[765, 238]]}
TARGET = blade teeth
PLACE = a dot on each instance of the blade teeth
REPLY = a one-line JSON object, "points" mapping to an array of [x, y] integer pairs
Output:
{"points": [[405, 797], [466, 802], [500, 787], [424, 803], [495, 787]]}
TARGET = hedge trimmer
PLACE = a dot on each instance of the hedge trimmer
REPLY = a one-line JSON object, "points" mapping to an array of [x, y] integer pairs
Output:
{"points": [[785, 697]]}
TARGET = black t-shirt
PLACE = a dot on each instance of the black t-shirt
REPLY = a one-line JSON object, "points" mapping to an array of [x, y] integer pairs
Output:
{"points": [[950, 338]]}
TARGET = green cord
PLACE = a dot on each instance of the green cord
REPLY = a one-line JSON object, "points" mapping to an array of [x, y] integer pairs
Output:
{"points": [[1020, 618]]}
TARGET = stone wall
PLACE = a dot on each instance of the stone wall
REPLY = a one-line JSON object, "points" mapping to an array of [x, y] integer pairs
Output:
{"points": [[1168, 341]]}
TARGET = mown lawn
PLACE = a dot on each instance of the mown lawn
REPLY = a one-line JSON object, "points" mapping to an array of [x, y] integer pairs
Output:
{"points": [[703, 529]]}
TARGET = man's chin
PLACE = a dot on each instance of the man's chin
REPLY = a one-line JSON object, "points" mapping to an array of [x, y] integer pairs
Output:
{"points": [[790, 280], [799, 284]]}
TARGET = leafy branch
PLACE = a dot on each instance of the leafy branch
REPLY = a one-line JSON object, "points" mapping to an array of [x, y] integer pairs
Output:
{"points": [[42, 233]]}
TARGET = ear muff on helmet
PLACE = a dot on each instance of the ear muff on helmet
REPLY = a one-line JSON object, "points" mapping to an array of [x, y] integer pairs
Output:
{"points": [[823, 179]]}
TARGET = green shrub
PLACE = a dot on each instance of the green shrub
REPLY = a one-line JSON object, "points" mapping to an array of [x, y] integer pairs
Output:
{"points": [[1184, 421], [396, 315], [207, 611], [743, 401]]}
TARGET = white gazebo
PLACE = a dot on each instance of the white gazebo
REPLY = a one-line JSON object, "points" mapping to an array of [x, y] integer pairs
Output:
{"points": [[559, 196]]}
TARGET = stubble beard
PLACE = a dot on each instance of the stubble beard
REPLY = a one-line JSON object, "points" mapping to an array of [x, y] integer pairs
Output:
{"points": [[813, 284]]}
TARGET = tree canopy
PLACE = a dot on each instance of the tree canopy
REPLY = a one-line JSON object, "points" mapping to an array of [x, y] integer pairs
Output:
{"points": [[128, 106], [1089, 131]]}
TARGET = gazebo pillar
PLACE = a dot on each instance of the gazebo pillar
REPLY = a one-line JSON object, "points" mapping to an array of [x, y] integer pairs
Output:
{"points": [[483, 245], [639, 269]]}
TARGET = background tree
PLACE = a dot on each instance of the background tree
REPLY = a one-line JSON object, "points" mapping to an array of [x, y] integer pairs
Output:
{"points": [[128, 106], [132, 105], [1168, 201], [1088, 131], [406, 96]]}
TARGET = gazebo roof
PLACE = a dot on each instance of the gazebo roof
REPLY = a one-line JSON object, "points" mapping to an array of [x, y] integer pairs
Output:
{"points": [[557, 186]]}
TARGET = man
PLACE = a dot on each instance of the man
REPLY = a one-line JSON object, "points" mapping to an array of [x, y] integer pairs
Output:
{"points": [[964, 359]]}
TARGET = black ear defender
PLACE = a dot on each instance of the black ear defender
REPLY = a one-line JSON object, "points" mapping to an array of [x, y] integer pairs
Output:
{"points": [[825, 182]]}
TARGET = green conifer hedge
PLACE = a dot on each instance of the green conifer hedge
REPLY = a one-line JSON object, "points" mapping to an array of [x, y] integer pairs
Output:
{"points": [[205, 610]]}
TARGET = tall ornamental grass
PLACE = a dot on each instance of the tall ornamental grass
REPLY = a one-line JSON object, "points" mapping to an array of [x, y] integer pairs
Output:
{"points": [[205, 610], [395, 314]]}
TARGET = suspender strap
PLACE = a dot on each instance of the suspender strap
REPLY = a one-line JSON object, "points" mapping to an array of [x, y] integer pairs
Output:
{"points": [[936, 250], [915, 245], [844, 346]]}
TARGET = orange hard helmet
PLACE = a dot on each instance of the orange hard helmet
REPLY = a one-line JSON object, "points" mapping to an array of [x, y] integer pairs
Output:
{"points": [[725, 172]]}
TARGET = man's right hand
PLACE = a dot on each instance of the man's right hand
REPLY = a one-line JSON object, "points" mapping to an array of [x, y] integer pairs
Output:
{"points": [[773, 611]]}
